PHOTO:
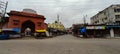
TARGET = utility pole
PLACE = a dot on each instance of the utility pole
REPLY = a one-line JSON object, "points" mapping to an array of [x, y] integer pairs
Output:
{"points": [[58, 18], [84, 25], [84, 19], [3, 8]]}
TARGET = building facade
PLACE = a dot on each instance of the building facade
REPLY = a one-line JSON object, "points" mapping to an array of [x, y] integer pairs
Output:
{"points": [[56, 25], [23, 20], [108, 16]]}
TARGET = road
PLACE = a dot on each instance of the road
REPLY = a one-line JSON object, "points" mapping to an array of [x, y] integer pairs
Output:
{"points": [[66, 44]]}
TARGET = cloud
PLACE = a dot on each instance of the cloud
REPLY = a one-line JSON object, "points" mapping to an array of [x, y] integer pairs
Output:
{"points": [[70, 11]]}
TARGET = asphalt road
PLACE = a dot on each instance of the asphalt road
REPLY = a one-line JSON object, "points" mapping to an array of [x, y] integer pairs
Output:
{"points": [[66, 44]]}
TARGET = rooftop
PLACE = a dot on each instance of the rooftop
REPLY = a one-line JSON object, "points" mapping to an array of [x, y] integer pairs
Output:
{"points": [[25, 14]]}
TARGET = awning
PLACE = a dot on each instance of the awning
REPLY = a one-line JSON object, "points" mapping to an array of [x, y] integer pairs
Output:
{"points": [[40, 30], [16, 29], [11, 29], [113, 26]]}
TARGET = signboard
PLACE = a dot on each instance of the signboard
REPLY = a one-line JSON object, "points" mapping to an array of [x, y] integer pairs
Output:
{"points": [[95, 27], [90, 27], [113, 23], [99, 27], [113, 26]]}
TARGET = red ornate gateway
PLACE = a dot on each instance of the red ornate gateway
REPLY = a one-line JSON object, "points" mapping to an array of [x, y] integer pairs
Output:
{"points": [[23, 20]]}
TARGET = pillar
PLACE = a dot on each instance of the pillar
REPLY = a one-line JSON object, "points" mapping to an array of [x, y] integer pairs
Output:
{"points": [[112, 32]]}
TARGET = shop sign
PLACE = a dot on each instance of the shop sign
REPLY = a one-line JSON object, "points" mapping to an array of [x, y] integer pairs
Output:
{"points": [[90, 27], [95, 27], [99, 27]]}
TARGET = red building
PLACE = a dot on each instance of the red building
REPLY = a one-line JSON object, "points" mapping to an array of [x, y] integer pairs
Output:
{"points": [[23, 20]]}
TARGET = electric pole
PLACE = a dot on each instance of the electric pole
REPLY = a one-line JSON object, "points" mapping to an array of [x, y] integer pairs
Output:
{"points": [[84, 19], [3, 8], [58, 18]]}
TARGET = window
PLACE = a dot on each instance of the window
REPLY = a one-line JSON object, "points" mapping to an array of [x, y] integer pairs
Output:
{"points": [[117, 16], [106, 18], [104, 13], [117, 10], [39, 23], [16, 22], [102, 20]]}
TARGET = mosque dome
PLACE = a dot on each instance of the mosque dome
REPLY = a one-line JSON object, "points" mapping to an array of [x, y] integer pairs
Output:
{"points": [[29, 11]]}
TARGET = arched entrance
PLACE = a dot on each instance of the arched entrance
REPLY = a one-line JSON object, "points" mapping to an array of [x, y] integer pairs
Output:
{"points": [[28, 25]]}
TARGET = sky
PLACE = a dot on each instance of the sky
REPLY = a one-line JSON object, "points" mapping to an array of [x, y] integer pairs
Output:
{"points": [[70, 11]]}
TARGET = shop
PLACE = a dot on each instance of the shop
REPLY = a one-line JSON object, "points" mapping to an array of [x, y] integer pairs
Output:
{"points": [[97, 31]]}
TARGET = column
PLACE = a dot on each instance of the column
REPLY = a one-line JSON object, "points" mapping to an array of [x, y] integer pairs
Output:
{"points": [[112, 32]]}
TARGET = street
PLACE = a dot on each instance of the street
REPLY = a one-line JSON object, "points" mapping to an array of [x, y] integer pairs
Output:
{"points": [[66, 44]]}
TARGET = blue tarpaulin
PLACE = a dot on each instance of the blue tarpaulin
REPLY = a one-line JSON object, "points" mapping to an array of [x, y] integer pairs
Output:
{"points": [[83, 30], [16, 29]]}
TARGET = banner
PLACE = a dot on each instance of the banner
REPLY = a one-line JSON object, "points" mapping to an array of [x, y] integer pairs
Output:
{"points": [[95, 27]]}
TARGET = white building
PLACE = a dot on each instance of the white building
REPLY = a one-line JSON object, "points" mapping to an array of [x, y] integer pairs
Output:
{"points": [[109, 16]]}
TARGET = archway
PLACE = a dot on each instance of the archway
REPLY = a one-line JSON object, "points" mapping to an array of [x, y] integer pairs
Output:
{"points": [[28, 24]]}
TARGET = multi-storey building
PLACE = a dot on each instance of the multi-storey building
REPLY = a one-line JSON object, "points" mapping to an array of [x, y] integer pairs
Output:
{"points": [[108, 16]]}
